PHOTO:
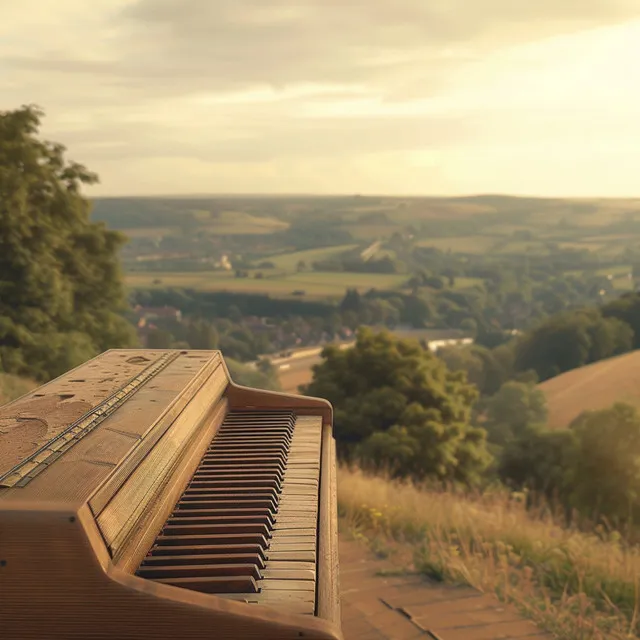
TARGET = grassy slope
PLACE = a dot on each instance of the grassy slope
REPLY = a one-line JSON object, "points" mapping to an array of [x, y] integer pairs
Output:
{"points": [[596, 386], [574, 585], [289, 261]]}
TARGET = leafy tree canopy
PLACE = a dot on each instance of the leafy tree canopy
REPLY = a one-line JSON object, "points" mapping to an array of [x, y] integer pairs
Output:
{"points": [[607, 470], [541, 460], [60, 283], [516, 406], [592, 467], [398, 407], [570, 340], [482, 366], [627, 309]]}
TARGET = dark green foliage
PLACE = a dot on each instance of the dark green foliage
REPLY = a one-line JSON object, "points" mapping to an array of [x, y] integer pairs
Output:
{"points": [[398, 407], [202, 335], [311, 232], [482, 366], [626, 309], [514, 408], [542, 461], [221, 304], [593, 467], [418, 311], [60, 283], [352, 301], [607, 469], [570, 340], [160, 339]]}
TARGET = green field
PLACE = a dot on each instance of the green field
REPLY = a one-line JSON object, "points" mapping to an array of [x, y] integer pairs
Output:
{"points": [[246, 230], [620, 270], [315, 285], [289, 261]]}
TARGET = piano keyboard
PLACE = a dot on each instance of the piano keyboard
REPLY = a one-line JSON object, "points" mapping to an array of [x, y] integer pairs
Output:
{"points": [[245, 527]]}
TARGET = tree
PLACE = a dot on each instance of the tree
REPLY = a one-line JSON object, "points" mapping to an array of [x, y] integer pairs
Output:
{"points": [[61, 289], [160, 339], [516, 406], [264, 366], [465, 359], [480, 364], [352, 301], [626, 309], [398, 407], [542, 461], [202, 335], [470, 326], [418, 311], [607, 472], [570, 340]]}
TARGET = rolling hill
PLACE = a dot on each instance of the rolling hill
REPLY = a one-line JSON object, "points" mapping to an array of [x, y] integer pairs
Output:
{"points": [[596, 386]]}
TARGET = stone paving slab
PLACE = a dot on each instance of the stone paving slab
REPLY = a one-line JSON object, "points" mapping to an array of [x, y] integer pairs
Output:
{"points": [[376, 606]]}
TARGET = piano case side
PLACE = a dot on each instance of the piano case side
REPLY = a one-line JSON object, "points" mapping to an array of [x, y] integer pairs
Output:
{"points": [[241, 397], [57, 582]]}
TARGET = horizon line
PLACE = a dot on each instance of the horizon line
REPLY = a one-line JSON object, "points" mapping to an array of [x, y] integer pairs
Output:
{"points": [[357, 195]]}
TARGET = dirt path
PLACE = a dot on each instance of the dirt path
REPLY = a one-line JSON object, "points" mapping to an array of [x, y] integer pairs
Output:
{"points": [[380, 603]]}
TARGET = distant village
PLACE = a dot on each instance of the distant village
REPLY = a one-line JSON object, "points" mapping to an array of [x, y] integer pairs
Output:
{"points": [[150, 319]]}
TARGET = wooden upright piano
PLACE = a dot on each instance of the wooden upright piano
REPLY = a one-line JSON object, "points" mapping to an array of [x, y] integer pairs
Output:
{"points": [[144, 495]]}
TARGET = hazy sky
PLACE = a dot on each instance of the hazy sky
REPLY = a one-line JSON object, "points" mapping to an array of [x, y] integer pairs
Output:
{"points": [[334, 96]]}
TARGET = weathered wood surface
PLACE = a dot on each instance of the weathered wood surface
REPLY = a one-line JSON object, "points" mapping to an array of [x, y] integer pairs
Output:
{"points": [[409, 607]]}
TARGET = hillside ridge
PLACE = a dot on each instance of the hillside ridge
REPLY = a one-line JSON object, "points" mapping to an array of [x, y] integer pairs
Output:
{"points": [[594, 386]]}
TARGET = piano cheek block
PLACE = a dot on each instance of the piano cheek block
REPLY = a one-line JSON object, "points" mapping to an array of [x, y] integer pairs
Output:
{"points": [[168, 503]]}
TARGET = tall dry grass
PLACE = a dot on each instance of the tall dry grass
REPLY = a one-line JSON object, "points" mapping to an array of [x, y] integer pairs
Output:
{"points": [[575, 585]]}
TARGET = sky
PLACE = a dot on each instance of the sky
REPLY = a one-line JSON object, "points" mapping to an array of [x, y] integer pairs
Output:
{"points": [[409, 97]]}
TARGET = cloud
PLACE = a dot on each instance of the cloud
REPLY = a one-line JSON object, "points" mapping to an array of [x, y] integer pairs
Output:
{"points": [[336, 138], [399, 48], [254, 82]]}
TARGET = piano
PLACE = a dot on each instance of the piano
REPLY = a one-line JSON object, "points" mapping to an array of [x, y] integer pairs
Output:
{"points": [[145, 495]]}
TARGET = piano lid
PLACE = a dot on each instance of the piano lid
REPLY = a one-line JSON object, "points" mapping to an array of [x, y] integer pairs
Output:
{"points": [[119, 395]]}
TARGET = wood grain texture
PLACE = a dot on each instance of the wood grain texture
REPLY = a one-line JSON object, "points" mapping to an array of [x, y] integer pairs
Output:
{"points": [[31, 421], [147, 528], [328, 595], [149, 438], [57, 582], [150, 476], [74, 476]]}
